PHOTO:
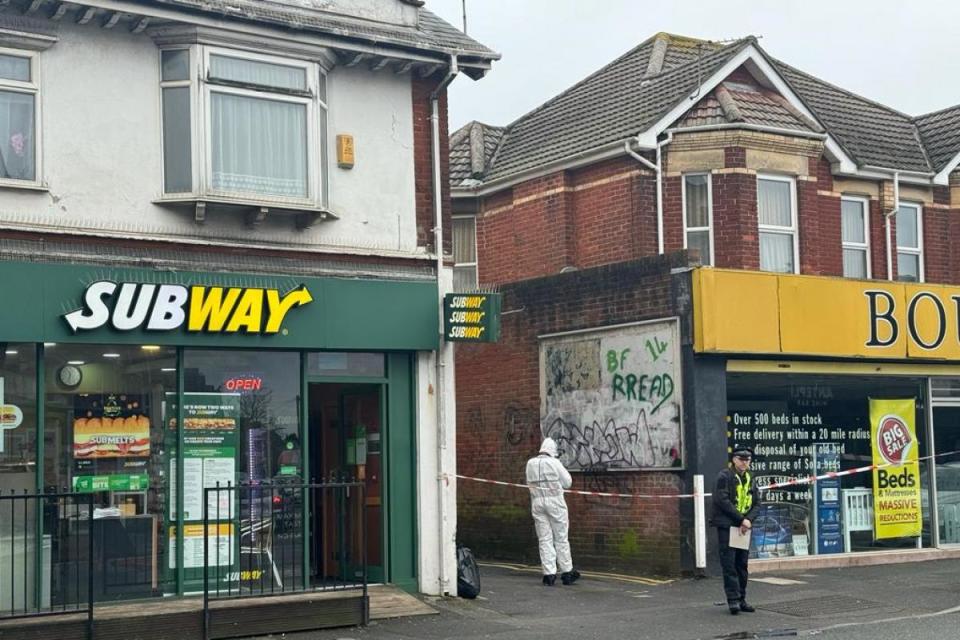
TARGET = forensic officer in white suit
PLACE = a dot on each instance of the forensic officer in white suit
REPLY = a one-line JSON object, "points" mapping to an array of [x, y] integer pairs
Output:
{"points": [[547, 478]]}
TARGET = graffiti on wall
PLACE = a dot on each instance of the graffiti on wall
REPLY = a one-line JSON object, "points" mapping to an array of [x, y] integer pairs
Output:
{"points": [[613, 399]]}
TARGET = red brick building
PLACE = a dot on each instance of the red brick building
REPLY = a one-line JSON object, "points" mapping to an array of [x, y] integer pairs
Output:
{"points": [[748, 164]]}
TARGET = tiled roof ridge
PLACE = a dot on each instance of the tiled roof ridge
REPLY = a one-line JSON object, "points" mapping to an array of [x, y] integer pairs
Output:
{"points": [[731, 48], [847, 92], [457, 136], [938, 112], [922, 145]]}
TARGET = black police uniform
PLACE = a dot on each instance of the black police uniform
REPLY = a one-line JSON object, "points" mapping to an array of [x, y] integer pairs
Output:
{"points": [[725, 515]]}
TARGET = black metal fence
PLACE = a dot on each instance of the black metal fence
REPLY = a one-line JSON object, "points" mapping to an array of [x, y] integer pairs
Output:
{"points": [[46, 555], [275, 539]]}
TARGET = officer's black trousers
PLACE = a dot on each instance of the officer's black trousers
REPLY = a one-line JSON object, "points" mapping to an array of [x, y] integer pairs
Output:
{"points": [[734, 564]]}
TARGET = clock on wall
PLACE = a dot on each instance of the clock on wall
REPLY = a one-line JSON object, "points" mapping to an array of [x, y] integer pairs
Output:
{"points": [[70, 376]]}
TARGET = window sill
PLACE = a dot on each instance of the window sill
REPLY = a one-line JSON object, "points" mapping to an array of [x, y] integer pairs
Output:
{"points": [[23, 186], [253, 211]]}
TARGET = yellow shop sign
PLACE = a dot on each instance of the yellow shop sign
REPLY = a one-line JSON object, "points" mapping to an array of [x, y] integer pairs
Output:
{"points": [[167, 307], [766, 313]]}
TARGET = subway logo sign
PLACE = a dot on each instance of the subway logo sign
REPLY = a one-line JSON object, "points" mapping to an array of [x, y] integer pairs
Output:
{"points": [[198, 309], [473, 317]]}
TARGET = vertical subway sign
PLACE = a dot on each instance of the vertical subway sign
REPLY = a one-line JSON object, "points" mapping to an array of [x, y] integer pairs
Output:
{"points": [[473, 317]]}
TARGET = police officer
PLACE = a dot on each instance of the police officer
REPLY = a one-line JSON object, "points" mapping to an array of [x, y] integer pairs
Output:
{"points": [[735, 504]]}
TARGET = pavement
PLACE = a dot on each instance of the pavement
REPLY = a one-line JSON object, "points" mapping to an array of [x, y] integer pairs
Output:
{"points": [[917, 601]]}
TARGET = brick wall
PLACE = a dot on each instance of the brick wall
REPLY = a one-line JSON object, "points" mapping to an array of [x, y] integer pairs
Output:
{"points": [[423, 161], [606, 213], [498, 425]]}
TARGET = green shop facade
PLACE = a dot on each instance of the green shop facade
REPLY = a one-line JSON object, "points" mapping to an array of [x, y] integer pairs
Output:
{"points": [[139, 388]]}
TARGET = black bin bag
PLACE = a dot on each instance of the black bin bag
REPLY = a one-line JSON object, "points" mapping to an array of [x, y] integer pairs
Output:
{"points": [[468, 573]]}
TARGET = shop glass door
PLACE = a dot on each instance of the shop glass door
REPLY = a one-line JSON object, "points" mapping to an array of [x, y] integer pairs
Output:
{"points": [[345, 421]]}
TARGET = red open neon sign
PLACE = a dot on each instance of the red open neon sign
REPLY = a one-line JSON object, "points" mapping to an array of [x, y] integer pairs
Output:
{"points": [[243, 383]]}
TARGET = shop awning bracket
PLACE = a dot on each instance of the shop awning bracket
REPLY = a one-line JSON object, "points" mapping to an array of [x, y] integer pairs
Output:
{"points": [[200, 212]]}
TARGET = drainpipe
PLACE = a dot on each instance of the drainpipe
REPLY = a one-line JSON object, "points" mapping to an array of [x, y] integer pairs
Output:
{"points": [[658, 169], [886, 219], [442, 346]]}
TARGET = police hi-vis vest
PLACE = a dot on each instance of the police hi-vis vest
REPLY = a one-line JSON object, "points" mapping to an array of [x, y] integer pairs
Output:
{"points": [[744, 496]]}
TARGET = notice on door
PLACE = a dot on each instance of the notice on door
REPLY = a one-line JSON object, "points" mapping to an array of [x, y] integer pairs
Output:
{"points": [[896, 483]]}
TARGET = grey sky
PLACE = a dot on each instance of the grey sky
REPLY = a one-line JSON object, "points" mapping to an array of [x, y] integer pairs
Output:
{"points": [[902, 54]]}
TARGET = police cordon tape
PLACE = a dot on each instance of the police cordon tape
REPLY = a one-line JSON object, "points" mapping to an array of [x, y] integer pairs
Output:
{"points": [[677, 496]]}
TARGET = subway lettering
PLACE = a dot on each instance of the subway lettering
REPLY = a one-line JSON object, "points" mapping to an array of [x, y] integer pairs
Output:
{"points": [[167, 307]]}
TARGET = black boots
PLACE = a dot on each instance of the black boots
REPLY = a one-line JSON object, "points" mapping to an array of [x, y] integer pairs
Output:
{"points": [[569, 577], [737, 607]]}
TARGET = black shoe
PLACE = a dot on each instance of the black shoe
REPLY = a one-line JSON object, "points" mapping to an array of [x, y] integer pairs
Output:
{"points": [[569, 577], [550, 580], [746, 608], [734, 610]]}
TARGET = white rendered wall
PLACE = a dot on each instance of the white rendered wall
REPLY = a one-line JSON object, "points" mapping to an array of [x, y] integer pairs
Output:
{"points": [[101, 148], [437, 539]]}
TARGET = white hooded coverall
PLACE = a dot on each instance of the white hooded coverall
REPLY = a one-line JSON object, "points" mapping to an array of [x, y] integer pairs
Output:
{"points": [[547, 478]]}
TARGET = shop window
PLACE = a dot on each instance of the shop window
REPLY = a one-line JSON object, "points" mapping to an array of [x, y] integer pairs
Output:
{"points": [[855, 224], [910, 242], [18, 418], [19, 89], [464, 253], [345, 363], [105, 434], [263, 121], [801, 425], [698, 216], [777, 223]]}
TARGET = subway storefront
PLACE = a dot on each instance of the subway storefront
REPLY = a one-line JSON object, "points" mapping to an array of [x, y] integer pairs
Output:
{"points": [[140, 388], [828, 375]]}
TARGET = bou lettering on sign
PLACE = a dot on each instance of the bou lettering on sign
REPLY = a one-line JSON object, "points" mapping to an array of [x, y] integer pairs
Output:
{"points": [[896, 483], [167, 307]]}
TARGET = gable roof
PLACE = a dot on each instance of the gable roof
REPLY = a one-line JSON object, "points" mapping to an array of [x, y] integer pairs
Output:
{"points": [[610, 105], [629, 95]]}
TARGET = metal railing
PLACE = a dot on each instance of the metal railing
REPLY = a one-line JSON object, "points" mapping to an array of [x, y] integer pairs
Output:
{"points": [[46, 555], [262, 540]]}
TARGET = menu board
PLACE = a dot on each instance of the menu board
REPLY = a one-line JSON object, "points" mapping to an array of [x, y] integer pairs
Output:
{"points": [[209, 454]]}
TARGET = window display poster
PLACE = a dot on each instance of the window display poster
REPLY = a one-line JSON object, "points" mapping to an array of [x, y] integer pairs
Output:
{"points": [[829, 536], [111, 426], [219, 546], [896, 473]]}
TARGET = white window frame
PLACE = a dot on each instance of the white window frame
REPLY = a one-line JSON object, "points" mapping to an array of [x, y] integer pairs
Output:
{"points": [[174, 84], [201, 88], [476, 263], [31, 88], [709, 227], [865, 246], [792, 230], [918, 250]]}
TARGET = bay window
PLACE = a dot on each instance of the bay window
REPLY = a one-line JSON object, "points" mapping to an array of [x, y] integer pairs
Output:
{"points": [[260, 132], [777, 224], [698, 216]]}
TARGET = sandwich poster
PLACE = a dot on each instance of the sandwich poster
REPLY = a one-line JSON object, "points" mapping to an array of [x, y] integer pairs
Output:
{"points": [[111, 434]]}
